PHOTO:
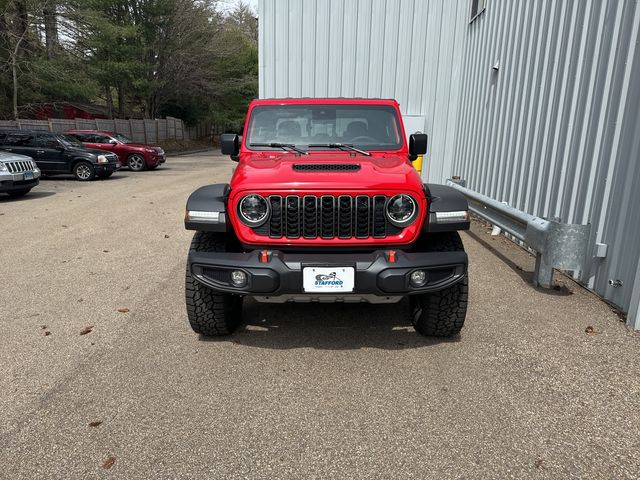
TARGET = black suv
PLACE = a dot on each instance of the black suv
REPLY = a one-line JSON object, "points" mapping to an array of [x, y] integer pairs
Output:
{"points": [[56, 153]]}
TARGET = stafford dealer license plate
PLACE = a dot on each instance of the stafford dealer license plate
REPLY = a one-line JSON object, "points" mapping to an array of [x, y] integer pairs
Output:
{"points": [[328, 279], [28, 175]]}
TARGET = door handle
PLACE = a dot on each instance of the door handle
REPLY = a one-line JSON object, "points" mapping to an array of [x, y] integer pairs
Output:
{"points": [[39, 151]]}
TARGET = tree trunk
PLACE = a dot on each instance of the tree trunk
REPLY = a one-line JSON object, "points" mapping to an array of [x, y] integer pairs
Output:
{"points": [[109, 97], [50, 28], [121, 104], [151, 107], [14, 74]]}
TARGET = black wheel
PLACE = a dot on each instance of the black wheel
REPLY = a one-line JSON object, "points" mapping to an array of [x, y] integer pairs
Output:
{"points": [[211, 313], [105, 174], [83, 171], [136, 162], [441, 313], [19, 193]]}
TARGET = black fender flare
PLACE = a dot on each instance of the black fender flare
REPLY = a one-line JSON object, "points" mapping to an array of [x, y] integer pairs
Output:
{"points": [[211, 199], [442, 198]]}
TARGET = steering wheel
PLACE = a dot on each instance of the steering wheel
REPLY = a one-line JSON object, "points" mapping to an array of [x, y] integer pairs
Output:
{"points": [[362, 137]]}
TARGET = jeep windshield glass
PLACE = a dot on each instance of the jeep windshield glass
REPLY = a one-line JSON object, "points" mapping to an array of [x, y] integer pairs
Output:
{"points": [[364, 127]]}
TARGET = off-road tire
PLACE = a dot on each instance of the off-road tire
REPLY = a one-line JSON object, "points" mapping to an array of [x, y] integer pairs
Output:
{"points": [[441, 313], [211, 313]]}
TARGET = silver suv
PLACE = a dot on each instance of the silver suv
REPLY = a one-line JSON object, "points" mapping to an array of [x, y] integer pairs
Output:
{"points": [[18, 174]]}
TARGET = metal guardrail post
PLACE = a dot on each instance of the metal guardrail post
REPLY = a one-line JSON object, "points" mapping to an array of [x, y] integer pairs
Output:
{"points": [[557, 245]]}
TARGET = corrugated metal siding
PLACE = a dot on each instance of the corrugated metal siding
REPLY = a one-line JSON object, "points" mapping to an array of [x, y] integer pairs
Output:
{"points": [[404, 49], [553, 130]]}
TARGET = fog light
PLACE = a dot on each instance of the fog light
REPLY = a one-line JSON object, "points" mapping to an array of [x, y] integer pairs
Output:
{"points": [[238, 278], [418, 278]]}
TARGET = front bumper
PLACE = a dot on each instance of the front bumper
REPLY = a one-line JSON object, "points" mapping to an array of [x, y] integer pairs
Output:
{"points": [[281, 274], [10, 182], [107, 167], [155, 159]]}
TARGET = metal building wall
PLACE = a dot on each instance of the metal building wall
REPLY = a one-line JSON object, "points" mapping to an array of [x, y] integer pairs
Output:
{"points": [[409, 50], [555, 129]]}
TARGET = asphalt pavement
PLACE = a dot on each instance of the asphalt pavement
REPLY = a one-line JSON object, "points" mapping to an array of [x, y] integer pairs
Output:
{"points": [[101, 376]]}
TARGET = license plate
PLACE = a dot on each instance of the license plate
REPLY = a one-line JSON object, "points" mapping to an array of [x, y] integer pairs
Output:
{"points": [[28, 175], [328, 279]]}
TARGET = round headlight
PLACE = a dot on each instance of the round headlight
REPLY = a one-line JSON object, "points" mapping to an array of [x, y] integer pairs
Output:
{"points": [[401, 210], [253, 209]]}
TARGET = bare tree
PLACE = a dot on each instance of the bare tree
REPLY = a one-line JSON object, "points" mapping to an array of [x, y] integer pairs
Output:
{"points": [[16, 21], [50, 28]]}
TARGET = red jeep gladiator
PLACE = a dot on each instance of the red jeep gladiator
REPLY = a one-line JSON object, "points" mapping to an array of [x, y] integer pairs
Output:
{"points": [[326, 206]]}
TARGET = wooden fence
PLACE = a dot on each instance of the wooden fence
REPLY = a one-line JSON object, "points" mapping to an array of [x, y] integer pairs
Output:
{"points": [[141, 131]]}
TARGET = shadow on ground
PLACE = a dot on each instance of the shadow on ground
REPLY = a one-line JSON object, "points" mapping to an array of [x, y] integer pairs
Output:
{"points": [[32, 195], [328, 326], [64, 177]]}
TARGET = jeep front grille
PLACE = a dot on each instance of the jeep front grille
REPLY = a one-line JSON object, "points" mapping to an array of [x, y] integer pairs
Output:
{"points": [[18, 166], [327, 217]]}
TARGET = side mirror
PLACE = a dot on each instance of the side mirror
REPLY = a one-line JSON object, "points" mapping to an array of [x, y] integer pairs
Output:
{"points": [[113, 141], [230, 145], [417, 145]]}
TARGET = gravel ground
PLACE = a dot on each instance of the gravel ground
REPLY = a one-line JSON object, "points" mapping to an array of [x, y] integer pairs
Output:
{"points": [[300, 391]]}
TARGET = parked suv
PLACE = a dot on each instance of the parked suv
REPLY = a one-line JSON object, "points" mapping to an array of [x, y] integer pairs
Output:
{"points": [[326, 206], [136, 156], [18, 174], [56, 153]]}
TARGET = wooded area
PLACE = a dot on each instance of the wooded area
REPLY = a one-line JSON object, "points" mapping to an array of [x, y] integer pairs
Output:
{"points": [[137, 58]]}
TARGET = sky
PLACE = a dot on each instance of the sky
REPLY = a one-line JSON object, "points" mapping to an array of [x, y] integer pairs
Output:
{"points": [[226, 5]]}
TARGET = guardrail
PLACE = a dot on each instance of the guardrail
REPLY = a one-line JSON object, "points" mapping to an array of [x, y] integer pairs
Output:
{"points": [[557, 245]]}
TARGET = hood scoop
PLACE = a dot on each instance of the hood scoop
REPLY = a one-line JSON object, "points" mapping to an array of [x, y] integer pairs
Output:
{"points": [[326, 167]]}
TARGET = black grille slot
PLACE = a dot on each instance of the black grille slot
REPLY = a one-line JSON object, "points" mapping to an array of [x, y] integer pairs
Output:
{"points": [[275, 222], [310, 216], [379, 220], [362, 216], [326, 167], [327, 217], [345, 218], [293, 216]]}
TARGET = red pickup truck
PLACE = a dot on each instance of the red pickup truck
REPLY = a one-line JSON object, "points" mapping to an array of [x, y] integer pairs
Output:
{"points": [[136, 156], [326, 206]]}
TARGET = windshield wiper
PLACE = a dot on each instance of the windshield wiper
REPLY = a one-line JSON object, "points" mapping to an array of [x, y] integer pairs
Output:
{"points": [[341, 146], [283, 146]]}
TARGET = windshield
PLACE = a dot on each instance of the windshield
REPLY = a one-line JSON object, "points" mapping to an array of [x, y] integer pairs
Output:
{"points": [[70, 140], [367, 127], [121, 138]]}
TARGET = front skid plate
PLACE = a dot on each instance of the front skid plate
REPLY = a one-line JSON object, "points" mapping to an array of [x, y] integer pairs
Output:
{"points": [[310, 298]]}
